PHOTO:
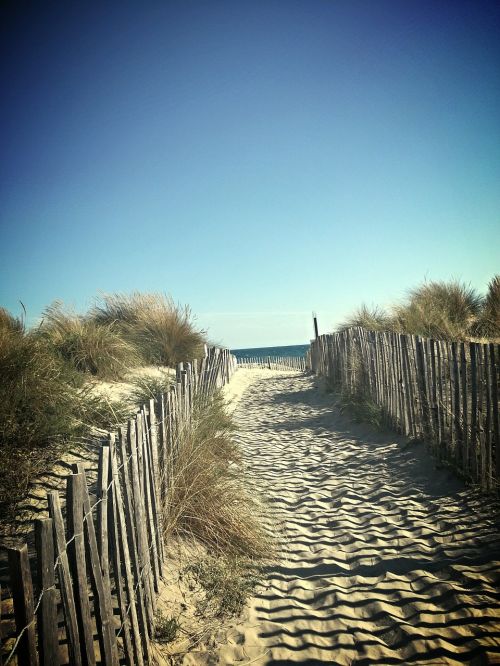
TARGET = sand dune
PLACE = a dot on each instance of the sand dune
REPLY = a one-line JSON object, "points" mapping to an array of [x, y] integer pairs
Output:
{"points": [[383, 558]]}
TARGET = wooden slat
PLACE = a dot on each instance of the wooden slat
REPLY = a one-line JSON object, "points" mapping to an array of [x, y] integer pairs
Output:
{"points": [[78, 566], [422, 384], [457, 406], [148, 535], [103, 606], [22, 596], [142, 548], [155, 476], [148, 484], [102, 515], [65, 582], [494, 405], [131, 556], [464, 408], [1, 632], [441, 405], [48, 640], [473, 415], [435, 405], [487, 473], [115, 537]]}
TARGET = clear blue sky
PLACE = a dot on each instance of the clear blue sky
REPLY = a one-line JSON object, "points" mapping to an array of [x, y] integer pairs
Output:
{"points": [[256, 159]]}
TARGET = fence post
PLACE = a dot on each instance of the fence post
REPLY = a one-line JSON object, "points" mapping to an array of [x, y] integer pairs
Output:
{"points": [[22, 594], [48, 641], [66, 584], [74, 506]]}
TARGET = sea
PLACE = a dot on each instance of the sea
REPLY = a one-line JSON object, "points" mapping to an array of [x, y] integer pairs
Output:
{"points": [[260, 352]]}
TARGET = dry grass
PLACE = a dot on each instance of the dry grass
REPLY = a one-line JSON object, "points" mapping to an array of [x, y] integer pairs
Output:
{"points": [[373, 319], [440, 310], [147, 387], [44, 407], [208, 498], [162, 331], [489, 325], [92, 347]]}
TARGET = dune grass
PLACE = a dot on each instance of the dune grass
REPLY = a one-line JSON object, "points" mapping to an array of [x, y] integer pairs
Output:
{"points": [[46, 399], [226, 584], [374, 319], [208, 498], [489, 325], [147, 387], [441, 310], [43, 405], [162, 331], [89, 346]]}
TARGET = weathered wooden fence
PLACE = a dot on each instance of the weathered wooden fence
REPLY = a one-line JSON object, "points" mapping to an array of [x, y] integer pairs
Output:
{"points": [[445, 393], [274, 362], [98, 559]]}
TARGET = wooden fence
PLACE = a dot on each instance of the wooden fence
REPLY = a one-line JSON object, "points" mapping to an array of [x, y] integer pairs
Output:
{"points": [[98, 559], [274, 362], [445, 393]]}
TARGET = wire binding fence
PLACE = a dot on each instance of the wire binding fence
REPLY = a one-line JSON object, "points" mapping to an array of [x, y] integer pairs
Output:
{"points": [[444, 393], [98, 567]]}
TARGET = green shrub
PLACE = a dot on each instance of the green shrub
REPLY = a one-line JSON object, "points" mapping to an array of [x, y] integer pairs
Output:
{"points": [[362, 409], [226, 583], [89, 346], [147, 387], [162, 331], [166, 628]]}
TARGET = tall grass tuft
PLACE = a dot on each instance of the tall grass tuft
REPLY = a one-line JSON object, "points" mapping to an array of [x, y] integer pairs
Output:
{"points": [[374, 319], [39, 405], [89, 346], [441, 310], [147, 387], [163, 331], [444, 310], [208, 497], [489, 325], [10, 323], [44, 405]]}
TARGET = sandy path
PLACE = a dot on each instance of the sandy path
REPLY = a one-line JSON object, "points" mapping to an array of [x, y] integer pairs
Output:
{"points": [[383, 559]]}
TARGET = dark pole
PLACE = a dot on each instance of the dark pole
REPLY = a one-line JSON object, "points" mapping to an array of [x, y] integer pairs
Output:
{"points": [[315, 320]]}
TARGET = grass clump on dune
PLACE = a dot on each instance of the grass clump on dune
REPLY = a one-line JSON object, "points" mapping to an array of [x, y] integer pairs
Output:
{"points": [[374, 319], [44, 405], [226, 584], [208, 497], [95, 348], [441, 310], [162, 331], [147, 387], [489, 325]]}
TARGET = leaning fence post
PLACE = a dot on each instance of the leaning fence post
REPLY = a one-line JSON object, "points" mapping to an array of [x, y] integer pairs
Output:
{"points": [[65, 582], [48, 642]]}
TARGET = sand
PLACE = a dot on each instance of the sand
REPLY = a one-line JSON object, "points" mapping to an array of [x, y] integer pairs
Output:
{"points": [[383, 559]]}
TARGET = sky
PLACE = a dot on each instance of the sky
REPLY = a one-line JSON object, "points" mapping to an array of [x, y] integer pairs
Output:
{"points": [[257, 160]]}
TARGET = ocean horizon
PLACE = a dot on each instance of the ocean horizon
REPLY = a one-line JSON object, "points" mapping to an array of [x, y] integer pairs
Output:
{"points": [[259, 352]]}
